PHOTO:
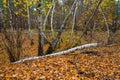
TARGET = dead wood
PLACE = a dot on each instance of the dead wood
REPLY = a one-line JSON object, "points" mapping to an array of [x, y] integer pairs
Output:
{"points": [[62, 52]]}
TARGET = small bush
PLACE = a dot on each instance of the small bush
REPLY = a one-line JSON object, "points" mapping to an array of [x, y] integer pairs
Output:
{"points": [[13, 44]]}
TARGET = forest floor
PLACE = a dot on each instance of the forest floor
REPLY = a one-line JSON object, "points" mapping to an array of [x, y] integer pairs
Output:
{"points": [[71, 66], [103, 63]]}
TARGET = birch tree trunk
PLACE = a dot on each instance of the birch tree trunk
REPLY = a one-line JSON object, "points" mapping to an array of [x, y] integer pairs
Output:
{"points": [[62, 52], [106, 23], [56, 40], [44, 23], [40, 37], [10, 21], [74, 22], [29, 24], [53, 9]]}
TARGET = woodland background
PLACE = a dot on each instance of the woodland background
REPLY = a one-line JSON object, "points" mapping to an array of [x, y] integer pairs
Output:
{"points": [[31, 28]]}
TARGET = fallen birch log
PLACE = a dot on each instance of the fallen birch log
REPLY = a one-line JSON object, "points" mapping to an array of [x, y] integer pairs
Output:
{"points": [[61, 52]]}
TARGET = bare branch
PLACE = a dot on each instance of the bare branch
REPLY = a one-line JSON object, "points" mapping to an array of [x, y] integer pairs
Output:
{"points": [[98, 4]]}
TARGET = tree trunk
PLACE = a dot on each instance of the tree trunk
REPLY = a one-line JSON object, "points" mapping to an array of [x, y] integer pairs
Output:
{"points": [[40, 37], [56, 40], [62, 52]]}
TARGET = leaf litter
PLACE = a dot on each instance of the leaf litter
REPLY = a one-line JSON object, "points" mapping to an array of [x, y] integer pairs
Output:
{"points": [[71, 66]]}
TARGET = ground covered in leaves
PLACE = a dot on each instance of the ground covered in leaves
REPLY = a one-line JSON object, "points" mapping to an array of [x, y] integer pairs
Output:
{"points": [[103, 64]]}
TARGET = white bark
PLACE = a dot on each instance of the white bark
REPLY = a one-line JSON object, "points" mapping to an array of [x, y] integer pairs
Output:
{"points": [[40, 37], [73, 24], [54, 42], [106, 23], [29, 24], [61, 52], [44, 24], [53, 9], [11, 24], [28, 14]]}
